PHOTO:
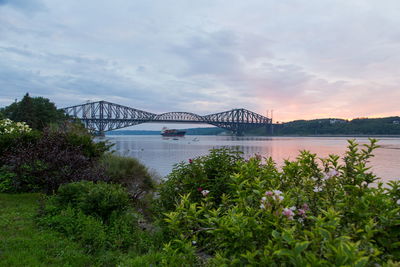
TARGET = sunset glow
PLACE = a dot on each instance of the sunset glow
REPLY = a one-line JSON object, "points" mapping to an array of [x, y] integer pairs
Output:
{"points": [[302, 59]]}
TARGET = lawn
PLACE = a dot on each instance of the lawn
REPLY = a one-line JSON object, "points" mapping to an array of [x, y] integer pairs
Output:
{"points": [[22, 243]]}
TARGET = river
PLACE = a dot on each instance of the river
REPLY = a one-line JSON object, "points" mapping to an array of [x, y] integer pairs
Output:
{"points": [[160, 154]]}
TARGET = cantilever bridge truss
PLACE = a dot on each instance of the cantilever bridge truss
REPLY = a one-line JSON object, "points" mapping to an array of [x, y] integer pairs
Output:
{"points": [[103, 116]]}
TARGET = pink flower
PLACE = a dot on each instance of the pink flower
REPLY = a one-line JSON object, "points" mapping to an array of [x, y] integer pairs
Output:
{"points": [[288, 213], [334, 173], [205, 193], [269, 193], [199, 189], [330, 174], [190, 161], [301, 212], [305, 207]]}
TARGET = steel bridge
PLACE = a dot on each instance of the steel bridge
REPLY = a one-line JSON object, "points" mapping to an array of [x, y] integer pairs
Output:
{"points": [[103, 116]]}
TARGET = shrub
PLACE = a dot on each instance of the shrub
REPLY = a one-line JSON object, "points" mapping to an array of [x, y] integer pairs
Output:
{"points": [[307, 214], [99, 200], [128, 172], [15, 134], [44, 162], [78, 226], [209, 174], [7, 179], [97, 215]]}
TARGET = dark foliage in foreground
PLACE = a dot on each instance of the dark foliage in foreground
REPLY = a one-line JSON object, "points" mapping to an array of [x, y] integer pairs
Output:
{"points": [[47, 160]]}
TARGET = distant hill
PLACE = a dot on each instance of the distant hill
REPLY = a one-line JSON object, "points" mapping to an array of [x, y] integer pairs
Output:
{"points": [[333, 126]]}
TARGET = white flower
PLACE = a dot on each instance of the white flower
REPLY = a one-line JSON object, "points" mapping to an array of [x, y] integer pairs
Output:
{"points": [[317, 189], [277, 192], [300, 220], [280, 198], [398, 202], [194, 242], [205, 192], [293, 208], [263, 199], [262, 206]]}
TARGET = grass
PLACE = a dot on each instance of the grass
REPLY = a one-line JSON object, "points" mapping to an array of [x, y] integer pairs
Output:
{"points": [[22, 243]]}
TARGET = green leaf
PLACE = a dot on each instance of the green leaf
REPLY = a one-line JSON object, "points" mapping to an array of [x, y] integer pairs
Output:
{"points": [[276, 234], [361, 262], [300, 247], [283, 252]]}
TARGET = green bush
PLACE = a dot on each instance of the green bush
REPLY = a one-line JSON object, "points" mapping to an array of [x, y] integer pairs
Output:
{"points": [[7, 179], [209, 174], [309, 213], [100, 199], [99, 217], [128, 172], [78, 226]]}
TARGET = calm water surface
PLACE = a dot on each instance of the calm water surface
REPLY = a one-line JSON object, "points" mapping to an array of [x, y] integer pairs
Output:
{"points": [[161, 154]]}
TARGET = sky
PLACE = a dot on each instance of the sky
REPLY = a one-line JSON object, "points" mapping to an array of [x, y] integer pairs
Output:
{"points": [[303, 59]]}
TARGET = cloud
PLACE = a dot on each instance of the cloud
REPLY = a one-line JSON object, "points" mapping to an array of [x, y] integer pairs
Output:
{"points": [[208, 53], [27, 6], [304, 59]]}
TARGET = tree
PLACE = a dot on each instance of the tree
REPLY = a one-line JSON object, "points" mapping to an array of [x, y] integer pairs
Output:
{"points": [[37, 112]]}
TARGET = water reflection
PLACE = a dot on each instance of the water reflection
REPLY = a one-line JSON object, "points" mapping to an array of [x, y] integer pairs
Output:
{"points": [[161, 154]]}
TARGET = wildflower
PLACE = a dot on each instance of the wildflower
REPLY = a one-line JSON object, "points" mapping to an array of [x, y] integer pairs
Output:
{"points": [[288, 213], [333, 172], [277, 192], [269, 193], [330, 174], [263, 199], [301, 212], [305, 207], [199, 189], [205, 193], [293, 208], [300, 220], [317, 189], [280, 198], [262, 206], [194, 242], [190, 161], [398, 202]]}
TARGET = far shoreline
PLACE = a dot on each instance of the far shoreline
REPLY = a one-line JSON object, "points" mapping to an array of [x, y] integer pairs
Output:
{"points": [[317, 135]]}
